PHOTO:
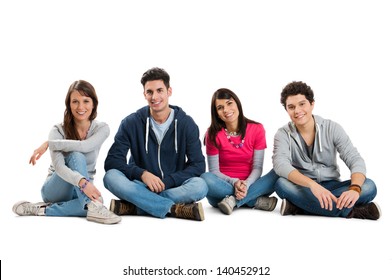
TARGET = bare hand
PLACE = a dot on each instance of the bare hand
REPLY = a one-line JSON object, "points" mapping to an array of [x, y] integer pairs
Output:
{"points": [[347, 199], [38, 153], [154, 183], [324, 196], [92, 192], [240, 189]]}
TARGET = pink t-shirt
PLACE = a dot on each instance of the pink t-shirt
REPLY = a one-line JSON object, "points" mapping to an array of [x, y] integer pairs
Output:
{"points": [[237, 162]]}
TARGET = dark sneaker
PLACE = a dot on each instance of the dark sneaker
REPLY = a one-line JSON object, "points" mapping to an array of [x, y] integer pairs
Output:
{"points": [[227, 205], [370, 211], [25, 208], [288, 208], [191, 211], [266, 203], [122, 207], [97, 212]]}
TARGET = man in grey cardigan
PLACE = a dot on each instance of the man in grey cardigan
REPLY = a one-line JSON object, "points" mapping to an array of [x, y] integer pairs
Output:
{"points": [[305, 158]]}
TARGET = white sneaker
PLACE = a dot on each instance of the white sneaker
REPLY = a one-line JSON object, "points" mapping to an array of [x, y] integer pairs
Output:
{"points": [[227, 205], [97, 212], [25, 208]]}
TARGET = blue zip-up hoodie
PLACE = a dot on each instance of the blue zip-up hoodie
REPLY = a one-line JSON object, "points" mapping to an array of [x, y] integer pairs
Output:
{"points": [[330, 139], [178, 157]]}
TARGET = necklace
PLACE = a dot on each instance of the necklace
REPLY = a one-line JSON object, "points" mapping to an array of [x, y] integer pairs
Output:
{"points": [[234, 133], [84, 135], [229, 134]]}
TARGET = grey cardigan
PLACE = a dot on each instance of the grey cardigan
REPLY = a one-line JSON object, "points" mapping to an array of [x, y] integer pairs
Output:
{"points": [[60, 147], [330, 139]]}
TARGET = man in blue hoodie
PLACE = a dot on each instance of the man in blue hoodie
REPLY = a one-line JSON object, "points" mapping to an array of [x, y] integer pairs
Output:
{"points": [[161, 176]]}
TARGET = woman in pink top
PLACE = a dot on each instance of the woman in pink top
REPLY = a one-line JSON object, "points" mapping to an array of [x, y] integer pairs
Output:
{"points": [[235, 155]]}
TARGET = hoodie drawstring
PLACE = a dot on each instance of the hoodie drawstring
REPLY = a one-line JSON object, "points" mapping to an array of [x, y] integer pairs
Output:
{"points": [[175, 135], [319, 137], [147, 132]]}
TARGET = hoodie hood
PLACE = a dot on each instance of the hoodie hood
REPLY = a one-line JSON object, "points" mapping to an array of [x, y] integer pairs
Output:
{"points": [[145, 117], [292, 132]]}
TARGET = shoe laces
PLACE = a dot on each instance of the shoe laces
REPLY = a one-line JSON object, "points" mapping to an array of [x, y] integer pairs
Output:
{"points": [[100, 209], [30, 208], [263, 202], [125, 208], [230, 200], [185, 210]]}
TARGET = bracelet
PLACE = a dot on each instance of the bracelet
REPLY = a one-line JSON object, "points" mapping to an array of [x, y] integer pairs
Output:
{"points": [[84, 184], [355, 187]]}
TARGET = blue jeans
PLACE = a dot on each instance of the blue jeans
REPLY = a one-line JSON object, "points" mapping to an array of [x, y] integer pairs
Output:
{"points": [[303, 198], [66, 199], [218, 189], [148, 202]]}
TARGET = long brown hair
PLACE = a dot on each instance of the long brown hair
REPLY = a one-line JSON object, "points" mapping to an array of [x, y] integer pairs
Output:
{"points": [[85, 89], [217, 124]]}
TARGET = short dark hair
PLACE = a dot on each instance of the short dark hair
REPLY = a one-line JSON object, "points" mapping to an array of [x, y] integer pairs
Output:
{"points": [[295, 88], [154, 74]]}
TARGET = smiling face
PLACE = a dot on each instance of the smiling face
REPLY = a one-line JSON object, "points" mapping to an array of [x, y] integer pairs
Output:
{"points": [[227, 111], [157, 96], [81, 106], [299, 109]]}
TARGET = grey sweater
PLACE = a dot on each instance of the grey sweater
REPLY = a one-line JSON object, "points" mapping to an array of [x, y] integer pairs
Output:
{"points": [[60, 147], [330, 139]]}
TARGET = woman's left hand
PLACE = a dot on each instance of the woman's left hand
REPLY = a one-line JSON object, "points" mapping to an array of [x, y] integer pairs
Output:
{"points": [[92, 192]]}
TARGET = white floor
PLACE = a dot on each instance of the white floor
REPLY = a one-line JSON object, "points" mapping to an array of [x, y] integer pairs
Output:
{"points": [[296, 247]]}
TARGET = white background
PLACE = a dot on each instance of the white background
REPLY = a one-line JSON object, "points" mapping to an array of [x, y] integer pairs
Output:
{"points": [[342, 49]]}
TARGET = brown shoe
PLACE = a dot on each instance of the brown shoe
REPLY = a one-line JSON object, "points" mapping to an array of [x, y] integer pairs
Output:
{"points": [[288, 208], [370, 211], [122, 207], [191, 211]]}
